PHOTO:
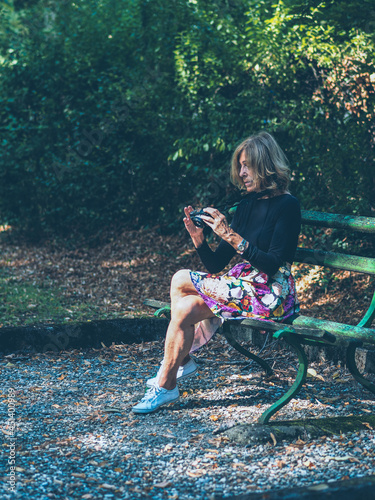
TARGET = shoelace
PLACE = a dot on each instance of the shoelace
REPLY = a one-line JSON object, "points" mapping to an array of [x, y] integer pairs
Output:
{"points": [[151, 393]]}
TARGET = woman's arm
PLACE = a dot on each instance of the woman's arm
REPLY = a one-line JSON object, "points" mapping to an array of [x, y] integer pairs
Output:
{"points": [[219, 225], [214, 261]]}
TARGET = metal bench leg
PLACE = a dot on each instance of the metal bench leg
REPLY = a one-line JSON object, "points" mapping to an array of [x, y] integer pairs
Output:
{"points": [[165, 310], [229, 337], [352, 366], [294, 389]]}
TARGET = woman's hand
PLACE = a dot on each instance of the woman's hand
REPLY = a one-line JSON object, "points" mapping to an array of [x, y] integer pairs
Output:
{"points": [[217, 222], [195, 232], [219, 225]]}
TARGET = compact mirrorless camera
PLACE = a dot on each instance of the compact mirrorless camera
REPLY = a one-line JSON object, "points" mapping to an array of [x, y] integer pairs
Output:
{"points": [[195, 217]]}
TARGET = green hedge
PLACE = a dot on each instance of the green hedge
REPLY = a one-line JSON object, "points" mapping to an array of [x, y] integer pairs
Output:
{"points": [[121, 112]]}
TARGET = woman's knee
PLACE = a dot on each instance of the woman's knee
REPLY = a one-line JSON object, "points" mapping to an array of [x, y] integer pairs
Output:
{"points": [[190, 309], [181, 307], [181, 281]]}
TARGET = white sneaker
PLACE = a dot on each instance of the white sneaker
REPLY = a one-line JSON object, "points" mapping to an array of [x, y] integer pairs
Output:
{"points": [[184, 371], [154, 398]]}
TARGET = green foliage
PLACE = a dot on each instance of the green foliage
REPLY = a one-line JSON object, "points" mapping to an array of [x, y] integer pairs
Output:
{"points": [[119, 111]]}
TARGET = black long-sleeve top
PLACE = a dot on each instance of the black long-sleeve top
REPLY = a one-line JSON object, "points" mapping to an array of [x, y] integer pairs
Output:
{"points": [[270, 225]]}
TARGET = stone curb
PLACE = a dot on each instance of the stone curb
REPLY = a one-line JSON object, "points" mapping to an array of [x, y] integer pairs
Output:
{"points": [[59, 337], [42, 338]]}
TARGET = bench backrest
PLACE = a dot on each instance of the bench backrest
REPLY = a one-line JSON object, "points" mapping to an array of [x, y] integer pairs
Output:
{"points": [[320, 257]]}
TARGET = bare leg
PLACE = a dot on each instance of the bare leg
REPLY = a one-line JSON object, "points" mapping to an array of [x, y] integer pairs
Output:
{"points": [[187, 309]]}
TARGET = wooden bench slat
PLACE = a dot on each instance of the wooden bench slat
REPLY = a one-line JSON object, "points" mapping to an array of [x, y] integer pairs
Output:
{"points": [[308, 323], [335, 260], [338, 221], [354, 222], [156, 304], [340, 330], [312, 332]]}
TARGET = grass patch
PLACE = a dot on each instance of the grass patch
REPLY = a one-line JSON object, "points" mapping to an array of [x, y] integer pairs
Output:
{"points": [[28, 302]]}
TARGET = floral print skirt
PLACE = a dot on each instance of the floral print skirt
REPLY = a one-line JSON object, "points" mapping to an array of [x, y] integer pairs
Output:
{"points": [[244, 292]]}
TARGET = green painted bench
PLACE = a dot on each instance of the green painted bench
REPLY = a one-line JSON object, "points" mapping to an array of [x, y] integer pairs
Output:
{"points": [[307, 330]]}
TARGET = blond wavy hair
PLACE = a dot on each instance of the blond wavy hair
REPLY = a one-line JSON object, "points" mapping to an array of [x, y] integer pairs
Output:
{"points": [[265, 156]]}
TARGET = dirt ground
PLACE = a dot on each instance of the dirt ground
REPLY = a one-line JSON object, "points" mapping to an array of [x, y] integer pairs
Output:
{"points": [[112, 275]]}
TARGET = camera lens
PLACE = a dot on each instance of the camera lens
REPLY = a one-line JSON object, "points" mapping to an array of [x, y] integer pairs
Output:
{"points": [[195, 217]]}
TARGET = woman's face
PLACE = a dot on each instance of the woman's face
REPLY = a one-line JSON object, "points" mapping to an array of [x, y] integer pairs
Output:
{"points": [[247, 174]]}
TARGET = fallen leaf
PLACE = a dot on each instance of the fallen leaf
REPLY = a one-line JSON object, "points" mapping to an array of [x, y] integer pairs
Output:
{"points": [[163, 484], [215, 417], [132, 423], [311, 373], [331, 400], [280, 463], [273, 438], [308, 463], [368, 425], [341, 459], [108, 486], [196, 473], [318, 487], [112, 409]]}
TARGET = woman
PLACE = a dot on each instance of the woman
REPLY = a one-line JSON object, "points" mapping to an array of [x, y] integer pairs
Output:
{"points": [[264, 232]]}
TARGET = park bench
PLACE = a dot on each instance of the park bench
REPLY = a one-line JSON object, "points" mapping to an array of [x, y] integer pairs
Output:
{"points": [[307, 330]]}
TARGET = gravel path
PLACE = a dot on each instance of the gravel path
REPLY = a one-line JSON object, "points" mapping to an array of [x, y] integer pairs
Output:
{"points": [[76, 437]]}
